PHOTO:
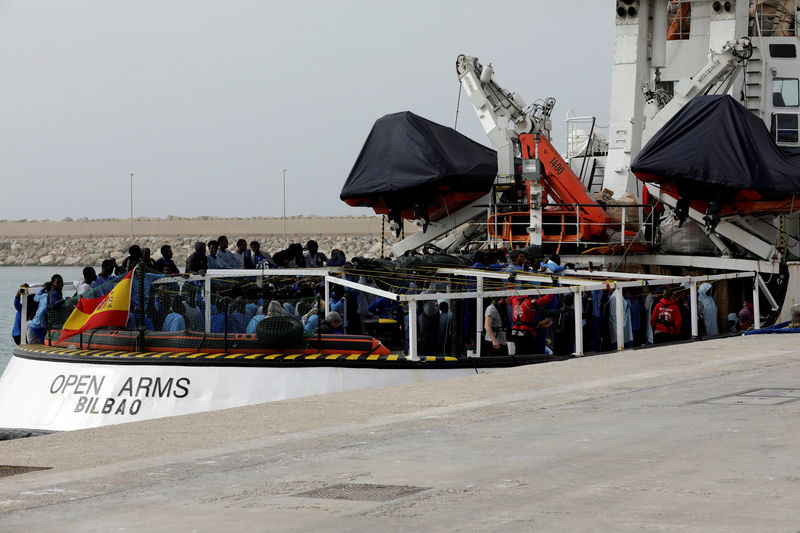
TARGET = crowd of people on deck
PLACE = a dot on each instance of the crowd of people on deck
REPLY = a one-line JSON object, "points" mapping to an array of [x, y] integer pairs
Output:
{"points": [[547, 324], [172, 308], [532, 325]]}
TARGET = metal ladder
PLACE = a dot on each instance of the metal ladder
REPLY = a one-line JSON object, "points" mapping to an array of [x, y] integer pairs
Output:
{"points": [[753, 82]]}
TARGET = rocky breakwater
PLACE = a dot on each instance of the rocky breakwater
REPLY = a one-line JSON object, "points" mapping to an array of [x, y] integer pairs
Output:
{"points": [[90, 251]]}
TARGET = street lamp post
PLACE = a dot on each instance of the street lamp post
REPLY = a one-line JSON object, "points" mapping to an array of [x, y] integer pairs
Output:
{"points": [[284, 204], [131, 205]]}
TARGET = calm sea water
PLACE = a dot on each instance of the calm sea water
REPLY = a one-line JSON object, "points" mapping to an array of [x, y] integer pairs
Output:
{"points": [[10, 280]]}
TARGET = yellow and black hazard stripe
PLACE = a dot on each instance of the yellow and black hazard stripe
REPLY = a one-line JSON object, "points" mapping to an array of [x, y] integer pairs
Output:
{"points": [[233, 358], [56, 353]]}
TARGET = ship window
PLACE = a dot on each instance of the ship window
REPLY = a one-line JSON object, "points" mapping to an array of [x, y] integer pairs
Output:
{"points": [[785, 128], [679, 18], [785, 92], [782, 50]]}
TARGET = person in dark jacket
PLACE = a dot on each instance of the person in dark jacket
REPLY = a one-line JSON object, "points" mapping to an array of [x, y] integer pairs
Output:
{"points": [[165, 264], [197, 262], [331, 323], [291, 257], [564, 331], [686, 316], [135, 256], [745, 319]]}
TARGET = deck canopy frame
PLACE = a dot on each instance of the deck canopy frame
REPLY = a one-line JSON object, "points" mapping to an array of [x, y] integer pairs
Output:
{"points": [[574, 282]]}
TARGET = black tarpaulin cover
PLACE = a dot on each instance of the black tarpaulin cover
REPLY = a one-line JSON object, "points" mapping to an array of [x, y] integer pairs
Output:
{"points": [[407, 158], [714, 140]]}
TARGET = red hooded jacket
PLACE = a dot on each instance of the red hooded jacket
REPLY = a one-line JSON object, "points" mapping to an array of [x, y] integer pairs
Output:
{"points": [[666, 317], [524, 312]]}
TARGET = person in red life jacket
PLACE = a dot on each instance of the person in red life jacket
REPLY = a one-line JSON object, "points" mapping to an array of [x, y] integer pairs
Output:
{"points": [[527, 323], [666, 319]]}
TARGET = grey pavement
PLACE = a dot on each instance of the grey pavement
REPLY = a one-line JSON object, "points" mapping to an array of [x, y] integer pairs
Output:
{"points": [[693, 437]]}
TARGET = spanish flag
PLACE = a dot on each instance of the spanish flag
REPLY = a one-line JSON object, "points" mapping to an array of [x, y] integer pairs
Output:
{"points": [[108, 310]]}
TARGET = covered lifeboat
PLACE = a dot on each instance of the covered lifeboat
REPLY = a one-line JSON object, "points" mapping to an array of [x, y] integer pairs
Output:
{"points": [[412, 168], [717, 157]]}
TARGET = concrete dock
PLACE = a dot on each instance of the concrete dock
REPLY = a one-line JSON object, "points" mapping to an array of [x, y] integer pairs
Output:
{"points": [[694, 437]]}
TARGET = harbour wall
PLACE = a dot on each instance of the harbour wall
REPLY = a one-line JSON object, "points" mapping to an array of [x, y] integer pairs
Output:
{"points": [[87, 242], [90, 251], [181, 226]]}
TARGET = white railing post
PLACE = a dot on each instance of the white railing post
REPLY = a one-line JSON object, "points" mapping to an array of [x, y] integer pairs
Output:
{"points": [[620, 320], [207, 299], [577, 224], [756, 304], [23, 317], [578, 307], [412, 331], [345, 321], [623, 229], [478, 317], [693, 304], [327, 295]]}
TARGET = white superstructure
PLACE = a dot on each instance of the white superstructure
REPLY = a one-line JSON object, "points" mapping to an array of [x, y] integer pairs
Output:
{"points": [[664, 46]]}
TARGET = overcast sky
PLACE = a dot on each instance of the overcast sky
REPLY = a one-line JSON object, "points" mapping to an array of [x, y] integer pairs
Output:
{"points": [[207, 101]]}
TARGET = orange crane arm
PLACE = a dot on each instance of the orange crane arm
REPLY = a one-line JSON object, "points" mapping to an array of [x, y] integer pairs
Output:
{"points": [[561, 183]]}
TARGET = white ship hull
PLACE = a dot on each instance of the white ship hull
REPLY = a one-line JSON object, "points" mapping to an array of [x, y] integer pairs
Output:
{"points": [[42, 395]]}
